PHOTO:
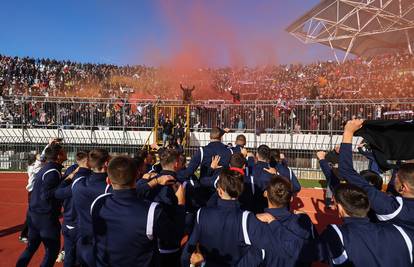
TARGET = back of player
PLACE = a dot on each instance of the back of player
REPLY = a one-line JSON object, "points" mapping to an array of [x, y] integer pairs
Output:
{"points": [[203, 157], [125, 227], [84, 191], [218, 230], [44, 209], [358, 242]]}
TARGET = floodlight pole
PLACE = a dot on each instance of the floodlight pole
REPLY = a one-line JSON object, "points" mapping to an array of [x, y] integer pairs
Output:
{"points": [[408, 42]]}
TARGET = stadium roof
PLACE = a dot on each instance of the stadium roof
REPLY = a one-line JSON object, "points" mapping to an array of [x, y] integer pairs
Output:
{"points": [[364, 27]]}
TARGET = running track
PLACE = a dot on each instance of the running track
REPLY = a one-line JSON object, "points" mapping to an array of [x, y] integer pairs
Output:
{"points": [[13, 205]]}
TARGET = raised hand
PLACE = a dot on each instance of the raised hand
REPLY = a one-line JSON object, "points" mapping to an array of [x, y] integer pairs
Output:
{"points": [[215, 162], [165, 180], [321, 155], [271, 170], [265, 217]]}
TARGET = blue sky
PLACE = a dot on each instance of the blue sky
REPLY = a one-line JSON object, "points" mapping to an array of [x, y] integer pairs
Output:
{"points": [[149, 32]]}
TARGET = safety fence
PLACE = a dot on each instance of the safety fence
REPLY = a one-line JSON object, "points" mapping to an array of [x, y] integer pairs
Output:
{"points": [[297, 128]]}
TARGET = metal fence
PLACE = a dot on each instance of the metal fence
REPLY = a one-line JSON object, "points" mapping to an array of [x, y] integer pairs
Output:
{"points": [[298, 128]]}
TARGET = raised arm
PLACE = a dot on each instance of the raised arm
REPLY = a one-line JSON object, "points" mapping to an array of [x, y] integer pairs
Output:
{"points": [[192, 166], [331, 178], [383, 204]]}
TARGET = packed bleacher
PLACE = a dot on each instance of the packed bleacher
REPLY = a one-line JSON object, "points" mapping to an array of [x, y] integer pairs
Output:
{"points": [[155, 209], [29, 87], [386, 76]]}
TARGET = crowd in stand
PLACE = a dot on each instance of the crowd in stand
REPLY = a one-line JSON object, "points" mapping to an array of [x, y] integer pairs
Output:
{"points": [[236, 211], [288, 88], [386, 76]]}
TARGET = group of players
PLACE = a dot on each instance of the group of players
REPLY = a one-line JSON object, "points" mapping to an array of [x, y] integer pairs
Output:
{"points": [[125, 211]]}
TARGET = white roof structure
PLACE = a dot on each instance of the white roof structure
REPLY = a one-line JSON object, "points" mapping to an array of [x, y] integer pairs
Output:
{"points": [[361, 27]]}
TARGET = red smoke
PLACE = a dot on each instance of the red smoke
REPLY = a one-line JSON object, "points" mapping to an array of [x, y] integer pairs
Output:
{"points": [[205, 34]]}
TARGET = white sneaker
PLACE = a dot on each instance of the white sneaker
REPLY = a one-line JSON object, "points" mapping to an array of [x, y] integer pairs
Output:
{"points": [[61, 256], [23, 239]]}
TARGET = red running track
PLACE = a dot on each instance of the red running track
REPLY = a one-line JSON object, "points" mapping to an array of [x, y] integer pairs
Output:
{"points": [[13, 205]]}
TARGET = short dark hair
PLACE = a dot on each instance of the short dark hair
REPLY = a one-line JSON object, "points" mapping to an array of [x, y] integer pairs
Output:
{"points": [[231, 182], [274, 155], [216, 133], [264, 152], [122, 170], [406, 173], [241, 139], [142, 153], [97, 158], [372, 178], [183, 160], [52, 152], [237, 160], [279, 191], [353, 199], [81, 155], [138, 160], [169, 156]]}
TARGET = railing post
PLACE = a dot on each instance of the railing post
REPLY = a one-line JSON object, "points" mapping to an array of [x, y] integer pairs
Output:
{"points": [[330, 124], [255, 124]]}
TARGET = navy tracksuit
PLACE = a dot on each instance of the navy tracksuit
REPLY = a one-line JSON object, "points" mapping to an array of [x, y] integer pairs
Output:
{"points": [[396, 210], [287, 172], [169, 253], [70, 169], [84, 192], [331, 179], [236, 149], [358, 242], [44, 211], [224, 235], [203, 158], [70, 218], [295, 239], [246, 199], [372, 164], [261, 178], [126, 229]]}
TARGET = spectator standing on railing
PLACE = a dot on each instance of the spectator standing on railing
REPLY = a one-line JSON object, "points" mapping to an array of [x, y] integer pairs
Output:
{"points": [[187, 94]]}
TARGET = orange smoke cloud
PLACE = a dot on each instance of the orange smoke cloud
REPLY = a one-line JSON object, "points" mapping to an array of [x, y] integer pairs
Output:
{"points": [[202, 35]]}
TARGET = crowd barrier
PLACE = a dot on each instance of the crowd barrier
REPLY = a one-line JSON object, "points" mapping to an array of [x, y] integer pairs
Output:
{"points": [[298, 128]]}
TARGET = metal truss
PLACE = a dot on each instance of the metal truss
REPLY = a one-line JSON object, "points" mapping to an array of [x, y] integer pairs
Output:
{"points": [[340, 23]]}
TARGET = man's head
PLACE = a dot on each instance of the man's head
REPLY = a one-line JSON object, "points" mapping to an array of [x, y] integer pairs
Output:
{"points": [[230, 184], [404, 182], [372, 178], [140, 164], [278, 192], [237, 160], [170, 160], [98, 159], [263, 153], [352, 201], [122, 172], [148, 156], [55, 153], [241, 140], [216, 133], [82, 159], [275, 155]]}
